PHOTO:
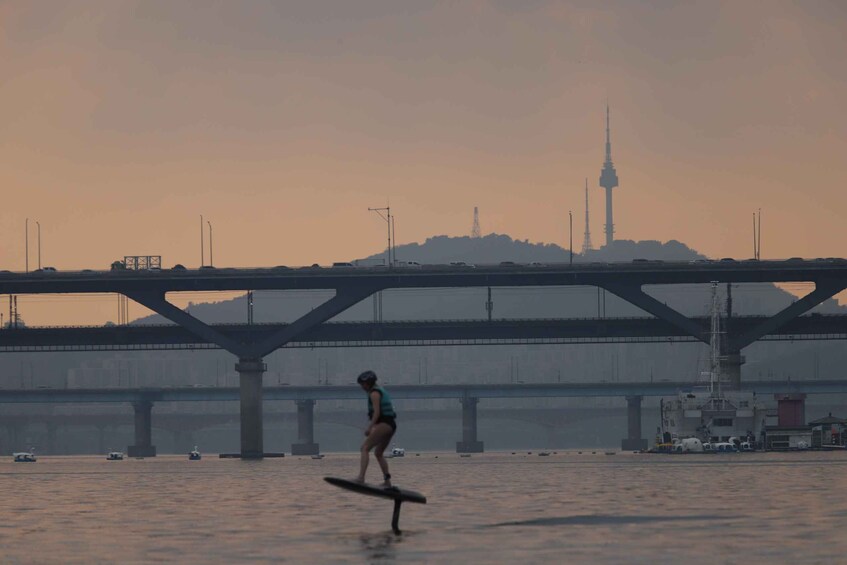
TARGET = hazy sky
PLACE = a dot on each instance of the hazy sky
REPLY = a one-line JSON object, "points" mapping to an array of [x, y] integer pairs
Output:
{"points": [[122, 122]]}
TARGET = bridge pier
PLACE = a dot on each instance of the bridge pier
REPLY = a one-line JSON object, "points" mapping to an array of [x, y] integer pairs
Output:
{"points": [[305, 429], [143, 430], [731, 367], [634, 441], [250, 373], [469, 443]]}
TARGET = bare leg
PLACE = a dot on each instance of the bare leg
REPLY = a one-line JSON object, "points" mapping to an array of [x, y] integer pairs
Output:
{"points": [[363, 461], [380, 449], [379, 434]]}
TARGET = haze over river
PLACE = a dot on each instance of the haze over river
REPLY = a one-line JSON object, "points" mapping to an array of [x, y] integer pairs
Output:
{"points": [[493, 507]]}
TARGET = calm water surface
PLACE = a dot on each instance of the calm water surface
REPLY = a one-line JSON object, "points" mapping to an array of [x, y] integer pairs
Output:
{"points": [[489, 508]]}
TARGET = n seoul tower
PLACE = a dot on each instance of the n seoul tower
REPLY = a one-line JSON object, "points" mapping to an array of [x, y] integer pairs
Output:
{"points": [[609, 180]]}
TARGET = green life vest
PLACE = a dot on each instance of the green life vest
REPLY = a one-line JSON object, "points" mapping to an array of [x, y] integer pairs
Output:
{"points": [[385, 406]]}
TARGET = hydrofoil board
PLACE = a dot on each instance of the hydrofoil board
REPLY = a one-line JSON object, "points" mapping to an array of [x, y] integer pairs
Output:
{"points": [[392, 493]]}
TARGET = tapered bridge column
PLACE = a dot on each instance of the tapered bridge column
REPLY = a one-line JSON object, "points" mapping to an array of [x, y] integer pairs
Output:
{"points": [[305, 429], [250, 372], [634, 441], [731, 367], [143, 430], [469, 443]]}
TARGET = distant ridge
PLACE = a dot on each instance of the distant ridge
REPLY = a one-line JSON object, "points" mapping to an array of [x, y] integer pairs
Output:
{"points": [[494, 248]]}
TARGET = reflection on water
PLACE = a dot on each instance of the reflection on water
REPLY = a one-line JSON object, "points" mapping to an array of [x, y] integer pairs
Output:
{"points": [[379, 547], [500, 508], [596, 519]]}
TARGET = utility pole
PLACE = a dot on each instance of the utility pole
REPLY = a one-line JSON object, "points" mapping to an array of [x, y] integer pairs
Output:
{"points": [[202, 252], [26, 244], [388, 218], [211, 257], [570, 230], [37, 223]]}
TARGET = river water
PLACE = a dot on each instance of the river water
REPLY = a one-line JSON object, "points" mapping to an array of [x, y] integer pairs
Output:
{"points": [[489, 508]]}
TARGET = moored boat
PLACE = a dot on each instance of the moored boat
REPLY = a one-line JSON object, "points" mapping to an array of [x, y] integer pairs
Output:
{"points": [[709, 418], [24, 456]]}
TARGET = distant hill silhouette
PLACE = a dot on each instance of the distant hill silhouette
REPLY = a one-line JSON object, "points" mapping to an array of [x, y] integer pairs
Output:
{"points": [[494, 248]]}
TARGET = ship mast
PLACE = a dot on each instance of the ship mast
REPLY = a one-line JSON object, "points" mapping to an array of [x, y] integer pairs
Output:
{"points": [[715, 342]]}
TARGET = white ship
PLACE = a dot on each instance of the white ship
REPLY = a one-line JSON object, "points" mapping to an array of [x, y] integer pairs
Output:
{"points": [[708, 417]]}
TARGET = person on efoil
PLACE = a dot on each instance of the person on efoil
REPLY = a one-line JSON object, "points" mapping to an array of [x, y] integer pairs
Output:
{"points": [[381, 427]]}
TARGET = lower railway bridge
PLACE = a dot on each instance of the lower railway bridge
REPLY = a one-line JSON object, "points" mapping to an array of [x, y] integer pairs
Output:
{"points": [[469, 396]]}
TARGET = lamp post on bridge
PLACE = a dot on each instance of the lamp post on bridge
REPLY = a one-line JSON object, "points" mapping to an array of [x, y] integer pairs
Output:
{"points": [[211, 257], [389, 220], [37, 223], [570, 237], [202, 251]]}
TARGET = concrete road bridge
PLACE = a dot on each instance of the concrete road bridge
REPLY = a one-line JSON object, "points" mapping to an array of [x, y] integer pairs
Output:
{"points": [[353, 284]]}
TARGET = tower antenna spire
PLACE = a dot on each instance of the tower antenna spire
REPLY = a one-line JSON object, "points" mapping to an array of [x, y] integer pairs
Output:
{"points": [[586, 239], [609, 180], [608, 137], [475, 232]]}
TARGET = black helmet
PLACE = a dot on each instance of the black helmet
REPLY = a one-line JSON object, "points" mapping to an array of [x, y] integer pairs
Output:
{"points": [[367, 377]]}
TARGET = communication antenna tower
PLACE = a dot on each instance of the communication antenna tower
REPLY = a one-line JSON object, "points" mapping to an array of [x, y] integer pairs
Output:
{"points": [[609, 180], [475, 229], [586, 240]]}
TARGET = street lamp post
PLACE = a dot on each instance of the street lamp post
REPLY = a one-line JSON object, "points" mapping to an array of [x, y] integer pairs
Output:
{"points": [[211, 257], [388, 219], [26, 245], [202, 252], [37, 223], [570, 229]]}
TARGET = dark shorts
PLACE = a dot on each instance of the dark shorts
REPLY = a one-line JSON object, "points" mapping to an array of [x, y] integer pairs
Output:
{"points": [[388, 420]]}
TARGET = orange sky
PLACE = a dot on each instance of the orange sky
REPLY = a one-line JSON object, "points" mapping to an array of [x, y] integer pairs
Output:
{"points": [[121, 123]]}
